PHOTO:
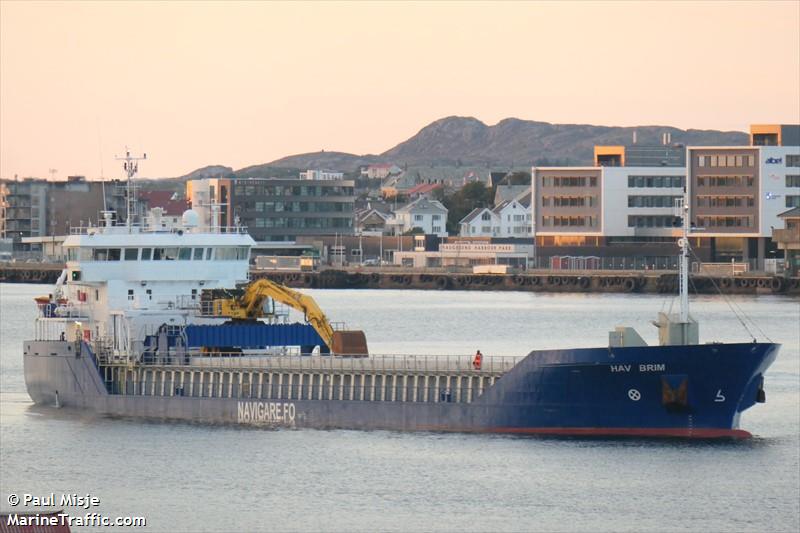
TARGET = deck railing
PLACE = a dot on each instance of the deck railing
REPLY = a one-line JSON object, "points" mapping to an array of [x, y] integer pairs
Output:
{"points": [[344, 364]]}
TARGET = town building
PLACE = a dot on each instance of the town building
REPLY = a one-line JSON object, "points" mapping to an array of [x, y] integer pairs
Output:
{"points": [[480, 222], [380, 171], [38, 208], [738, 192], [321, 175], [788, 240], [428, 215], [372, 221], [279, 210], [469, 252], [616, 208], [510, 219], [608, 210]]}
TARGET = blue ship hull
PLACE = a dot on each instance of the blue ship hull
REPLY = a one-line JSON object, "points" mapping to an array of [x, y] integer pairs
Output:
{"points": [[667, 391]]}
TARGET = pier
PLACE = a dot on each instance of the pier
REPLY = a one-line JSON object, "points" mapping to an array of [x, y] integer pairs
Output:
{"points": [[588, 281]]}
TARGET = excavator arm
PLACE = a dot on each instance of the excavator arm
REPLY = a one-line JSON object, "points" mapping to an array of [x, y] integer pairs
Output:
{"points": [[251, 306], [253, 302]]}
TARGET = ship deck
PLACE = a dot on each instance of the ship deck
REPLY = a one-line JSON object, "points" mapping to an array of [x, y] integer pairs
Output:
{"points": [[395, 378]]}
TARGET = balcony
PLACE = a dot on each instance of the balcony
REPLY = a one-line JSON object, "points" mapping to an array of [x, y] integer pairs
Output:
{"points": [[787, 238]]}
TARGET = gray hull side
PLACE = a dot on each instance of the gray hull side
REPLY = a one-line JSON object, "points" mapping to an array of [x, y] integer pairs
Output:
{"points": [[54, 369]]}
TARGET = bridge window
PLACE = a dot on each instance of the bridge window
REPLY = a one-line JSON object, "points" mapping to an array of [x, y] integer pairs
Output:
{"points": [[146, 254], [185, 254], [209, 253], [198, 254], [131, 254], [105, 254]]}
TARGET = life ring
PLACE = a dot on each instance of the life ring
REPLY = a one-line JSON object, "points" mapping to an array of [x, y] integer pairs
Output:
{"points": [[778, 284], [407, 279], [565, 280], [584, 282], [442, 282], [555, 280], [630, 284], [762, 283], [725, 283]]}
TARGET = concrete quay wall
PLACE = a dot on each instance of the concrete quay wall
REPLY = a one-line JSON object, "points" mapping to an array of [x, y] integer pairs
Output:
{"points": [[652, 282]]}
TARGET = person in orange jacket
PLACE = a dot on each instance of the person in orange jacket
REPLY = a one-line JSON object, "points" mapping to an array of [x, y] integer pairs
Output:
{"points": [[478, 361]]}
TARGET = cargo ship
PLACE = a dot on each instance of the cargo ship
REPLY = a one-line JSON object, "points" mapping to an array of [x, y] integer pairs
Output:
{"points": [[165, 323]]}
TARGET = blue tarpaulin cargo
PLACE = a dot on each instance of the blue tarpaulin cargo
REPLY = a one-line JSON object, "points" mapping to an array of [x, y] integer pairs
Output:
{"points": [[253, 336]]}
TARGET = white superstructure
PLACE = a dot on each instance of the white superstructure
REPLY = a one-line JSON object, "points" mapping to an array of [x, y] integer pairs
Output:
{"points": [[123, 282]]}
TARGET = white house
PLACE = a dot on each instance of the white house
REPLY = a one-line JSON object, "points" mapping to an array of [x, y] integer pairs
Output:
{"points": [[514, 218], [480, 222], [428, 215]]}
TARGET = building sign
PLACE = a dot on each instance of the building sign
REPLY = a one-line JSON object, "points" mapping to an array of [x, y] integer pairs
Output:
{"points": [[771, 196], [774, 160]]}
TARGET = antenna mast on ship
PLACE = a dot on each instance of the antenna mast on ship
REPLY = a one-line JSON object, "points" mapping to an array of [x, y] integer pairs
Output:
{"points": [[131, 167], [682, 210]]}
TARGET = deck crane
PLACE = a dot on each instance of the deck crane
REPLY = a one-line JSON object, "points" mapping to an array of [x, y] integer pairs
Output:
{"points": [[250, 306]]}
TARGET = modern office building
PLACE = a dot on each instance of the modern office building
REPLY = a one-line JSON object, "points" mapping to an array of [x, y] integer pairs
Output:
{"points": [[737, 193], [275, 209], [617, 208], [39, 208]]}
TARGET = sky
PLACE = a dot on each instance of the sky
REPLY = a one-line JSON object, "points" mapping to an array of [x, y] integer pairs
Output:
{"points": [[237, 84]]}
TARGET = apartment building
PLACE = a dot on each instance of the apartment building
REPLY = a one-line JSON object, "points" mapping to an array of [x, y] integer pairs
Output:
{"points": [[737, 193], [38, 208], [275, 209], [616, 208]]}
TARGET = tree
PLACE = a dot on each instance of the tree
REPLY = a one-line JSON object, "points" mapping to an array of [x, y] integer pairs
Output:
{"points": [[472, 195]]}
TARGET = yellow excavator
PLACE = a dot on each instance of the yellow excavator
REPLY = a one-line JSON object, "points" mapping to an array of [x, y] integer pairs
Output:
{"points": [[250, 306]]}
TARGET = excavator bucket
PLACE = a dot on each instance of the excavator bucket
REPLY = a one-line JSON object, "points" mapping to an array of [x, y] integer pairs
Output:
{"points": [[350, 343]]}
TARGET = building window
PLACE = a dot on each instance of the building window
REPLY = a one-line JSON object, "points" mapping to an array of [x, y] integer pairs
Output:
{"points": [[417, 218], [437, 229], [437, 217], [130, 294], [792, 201], [793, 180], [793, 160]]}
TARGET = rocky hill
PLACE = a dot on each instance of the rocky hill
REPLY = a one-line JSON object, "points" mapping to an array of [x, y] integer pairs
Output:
{"points": [[466, 141], [511, 142]]}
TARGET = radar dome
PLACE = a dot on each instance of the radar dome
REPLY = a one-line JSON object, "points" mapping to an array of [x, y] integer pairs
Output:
{"points": [[190, 219]]}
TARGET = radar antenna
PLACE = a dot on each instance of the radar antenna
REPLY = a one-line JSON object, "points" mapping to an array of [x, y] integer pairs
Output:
{"points": [[131, 167]]}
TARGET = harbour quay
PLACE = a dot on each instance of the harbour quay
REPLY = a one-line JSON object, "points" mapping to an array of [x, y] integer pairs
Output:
{"points": [[540, 280]]}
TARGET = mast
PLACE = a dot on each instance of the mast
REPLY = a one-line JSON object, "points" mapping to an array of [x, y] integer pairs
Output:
{"points": [[131, 167], [682, 210]]}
